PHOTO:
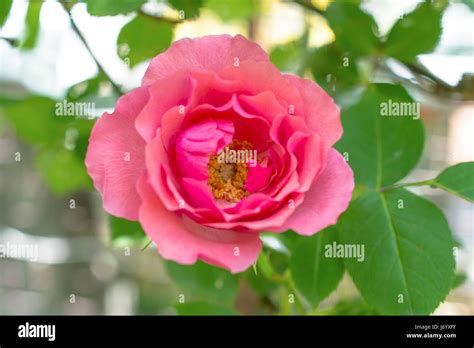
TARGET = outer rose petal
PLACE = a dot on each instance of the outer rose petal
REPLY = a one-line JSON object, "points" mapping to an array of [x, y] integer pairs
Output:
{"points": [[113, 140], [321, 113], [326, 199], [181, 240], [211, 52]]}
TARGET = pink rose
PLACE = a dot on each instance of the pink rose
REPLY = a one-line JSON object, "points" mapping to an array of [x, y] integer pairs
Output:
{"points": [[217, 146]]}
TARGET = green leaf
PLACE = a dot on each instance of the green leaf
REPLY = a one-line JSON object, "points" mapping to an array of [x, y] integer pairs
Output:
{"points": [[189, 8], [202, 308], [32, 24], [126, 233], [203, 282], [315, 273], [32, 119], [381, 149], [353, 27], [230, 10], [457, 180], [417, 32], [288, 57], [334, 70], [259, 283], [409, 264], [112, 7], [62, 170], [459, 279], [137, 33], [5, 6]]}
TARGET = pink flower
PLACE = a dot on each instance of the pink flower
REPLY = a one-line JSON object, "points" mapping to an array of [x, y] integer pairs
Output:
{"points": [[217, 146]]}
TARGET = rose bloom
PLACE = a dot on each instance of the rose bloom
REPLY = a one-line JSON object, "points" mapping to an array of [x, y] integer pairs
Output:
{"points": [[159, 157]]}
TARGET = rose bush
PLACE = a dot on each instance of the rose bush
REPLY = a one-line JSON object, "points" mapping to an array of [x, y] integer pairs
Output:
{"points": [[155, 159]]}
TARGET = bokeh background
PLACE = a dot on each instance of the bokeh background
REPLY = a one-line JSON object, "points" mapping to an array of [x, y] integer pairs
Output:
{"points": [[88, 264]]}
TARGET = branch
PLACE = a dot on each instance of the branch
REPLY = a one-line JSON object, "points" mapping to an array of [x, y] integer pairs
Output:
{"points": [[309, 6], [115, 87]]}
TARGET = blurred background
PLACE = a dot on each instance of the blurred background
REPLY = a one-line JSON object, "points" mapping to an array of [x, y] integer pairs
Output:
{"points": [[87, 263]]}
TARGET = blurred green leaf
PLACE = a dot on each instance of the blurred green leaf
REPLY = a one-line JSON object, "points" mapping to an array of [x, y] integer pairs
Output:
{"points": [[289, 57], [333, 70], [417, 32], [32, 119], [354, 306], [264, 266], [469, 3], [112, 7], [230, 10], [459, 279], [204, 282], [126, 233], [315, 272], [408, 266], [354, 29], [5, 6], [32, 24], [62, 170], [381, 149], [457, 180], [202, 308], [137, 33], [259, 283], [190, 8]]}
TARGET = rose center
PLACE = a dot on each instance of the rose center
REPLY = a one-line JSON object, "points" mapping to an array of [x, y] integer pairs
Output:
{"points": [[228, 172]]}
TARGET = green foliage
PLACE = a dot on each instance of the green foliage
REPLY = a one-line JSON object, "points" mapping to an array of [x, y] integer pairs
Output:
{"points": [[137, 33], [112, 7], [190, 8], [203, 282], [382, 149], [126, 232], [316, 274], [333, 70], [457, 180], [32, 24], [417, 32], [202, 308], [289, 57], [230, 10], [355, 30], [62, 170], [409, 262], [5, 7]]}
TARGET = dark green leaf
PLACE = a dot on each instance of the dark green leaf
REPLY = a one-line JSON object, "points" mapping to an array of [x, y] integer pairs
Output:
{"points": [[202, 308], [381, 149], [112, 7], [32, 24], [334, 70], [190, 8], [354, 28], [5, 6], [259, 283], [137, 33], [417, 32], [408, 266], [459, 279], [315, 270], [126, 233], [458, 180], [204, 282]]}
